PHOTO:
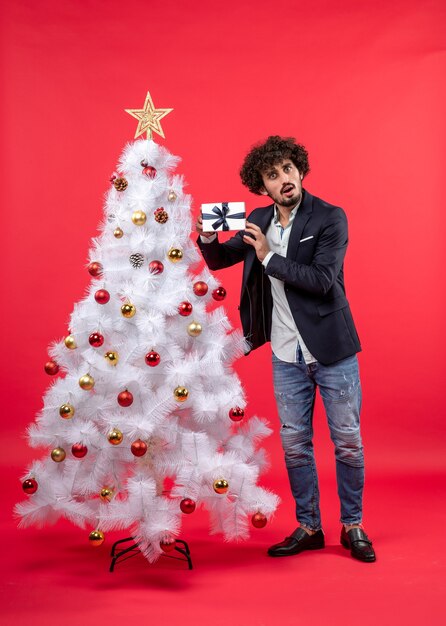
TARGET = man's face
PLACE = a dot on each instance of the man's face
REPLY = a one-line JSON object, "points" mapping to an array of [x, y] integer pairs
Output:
{"points": [[283, 183]]}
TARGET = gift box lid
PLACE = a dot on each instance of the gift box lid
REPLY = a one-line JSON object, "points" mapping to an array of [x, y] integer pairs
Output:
{"points": [[223, 216]]}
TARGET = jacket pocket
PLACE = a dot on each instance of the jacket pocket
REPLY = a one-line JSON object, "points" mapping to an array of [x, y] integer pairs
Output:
{"points": [[332, 305]]}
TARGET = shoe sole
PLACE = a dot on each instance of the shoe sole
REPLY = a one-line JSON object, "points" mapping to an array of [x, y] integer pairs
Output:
{"points": [[298, 552]]}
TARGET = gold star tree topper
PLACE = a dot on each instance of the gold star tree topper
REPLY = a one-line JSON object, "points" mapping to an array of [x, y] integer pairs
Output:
{"points": [[148, 118]]}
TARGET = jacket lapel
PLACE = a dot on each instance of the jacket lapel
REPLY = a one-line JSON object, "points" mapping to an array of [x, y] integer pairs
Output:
{"points": [[302, 216], [264, 218]]}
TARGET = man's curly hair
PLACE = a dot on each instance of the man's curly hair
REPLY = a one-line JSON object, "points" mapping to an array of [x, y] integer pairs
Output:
{"points": [[273, 151]]}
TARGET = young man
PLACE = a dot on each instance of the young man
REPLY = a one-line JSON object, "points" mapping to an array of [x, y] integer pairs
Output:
{"points": [[293, 295]]}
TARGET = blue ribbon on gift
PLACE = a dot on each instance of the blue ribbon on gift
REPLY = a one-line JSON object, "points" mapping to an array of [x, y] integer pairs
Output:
{"points": [[222, 213]]}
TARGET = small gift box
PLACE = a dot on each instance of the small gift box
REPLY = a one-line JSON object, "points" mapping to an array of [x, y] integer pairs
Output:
{"points": [[223, 216]]}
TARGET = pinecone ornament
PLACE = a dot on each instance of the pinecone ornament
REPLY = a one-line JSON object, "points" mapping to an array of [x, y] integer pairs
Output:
{"points": [[136, 260], [120, 184], [161, 216]]}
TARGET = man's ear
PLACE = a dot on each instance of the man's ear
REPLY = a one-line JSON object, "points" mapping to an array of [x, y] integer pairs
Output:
{"points": [[263, 191]]}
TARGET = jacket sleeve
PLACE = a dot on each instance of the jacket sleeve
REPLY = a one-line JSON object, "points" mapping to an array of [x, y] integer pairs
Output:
{"points": [[219, 255], [319, 277]]}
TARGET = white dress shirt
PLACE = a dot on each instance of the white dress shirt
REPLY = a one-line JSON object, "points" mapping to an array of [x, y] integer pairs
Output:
{"points": [[285, 336]]}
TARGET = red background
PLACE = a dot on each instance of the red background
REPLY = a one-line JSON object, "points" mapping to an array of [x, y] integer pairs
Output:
{"points": [[361, 84]]}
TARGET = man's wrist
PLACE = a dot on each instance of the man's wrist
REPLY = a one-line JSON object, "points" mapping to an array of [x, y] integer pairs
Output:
{"points": [[267, 258]]}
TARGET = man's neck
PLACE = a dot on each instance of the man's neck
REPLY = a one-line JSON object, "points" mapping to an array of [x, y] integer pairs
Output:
{"points": [[285, 212]]}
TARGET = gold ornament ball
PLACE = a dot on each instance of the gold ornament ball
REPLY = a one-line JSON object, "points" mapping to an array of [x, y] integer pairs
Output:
{"points": [[194, 329], [70, 343], [66, 411], [96, 537], [86, 382], [106, 494], [112, 357], [221, 485], [180, 394], [58, 455], [172, 196], [139, 218], [118, 233], [175, 255], [115, 437], [128, 310]]}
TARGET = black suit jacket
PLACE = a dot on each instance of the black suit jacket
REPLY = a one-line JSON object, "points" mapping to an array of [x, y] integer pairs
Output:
{"points": [[313, 273]]}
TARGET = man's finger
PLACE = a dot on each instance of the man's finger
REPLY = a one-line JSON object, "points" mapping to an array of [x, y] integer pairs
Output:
{"points": [[250, 240], [252, 231]]}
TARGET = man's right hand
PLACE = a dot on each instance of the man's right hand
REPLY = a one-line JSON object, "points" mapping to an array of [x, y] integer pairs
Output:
{"points": [[199, 229]]}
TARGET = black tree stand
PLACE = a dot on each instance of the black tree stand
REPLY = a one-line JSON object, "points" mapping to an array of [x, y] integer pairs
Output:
{"points": [[118, 555]]}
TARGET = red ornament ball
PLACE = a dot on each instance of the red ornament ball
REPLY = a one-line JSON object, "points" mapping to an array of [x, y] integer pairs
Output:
{"points": [[153, 358], [185, 308], [96, 340], [78, 450], [156, 267], [187, 505], [149, 171], [200, 288], [30, 486], [138, 448], [125, 398], [167, 544], [95, 269], [51, 368], [236, 414], [259, 520], [219, 294], [102, 296]]}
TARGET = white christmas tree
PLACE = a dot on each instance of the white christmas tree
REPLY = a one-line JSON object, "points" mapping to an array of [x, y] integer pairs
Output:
{"points": [[147, 419]]}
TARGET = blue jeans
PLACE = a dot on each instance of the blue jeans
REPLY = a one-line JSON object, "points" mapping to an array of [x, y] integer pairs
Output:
{"points": [[340, 389]]}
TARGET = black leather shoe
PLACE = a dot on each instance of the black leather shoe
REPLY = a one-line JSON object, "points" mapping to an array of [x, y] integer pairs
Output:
{"points": [[359, 544], [300, 540]]}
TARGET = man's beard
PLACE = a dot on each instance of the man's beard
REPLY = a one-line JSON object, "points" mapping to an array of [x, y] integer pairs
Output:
{"points": [[295, 199]]}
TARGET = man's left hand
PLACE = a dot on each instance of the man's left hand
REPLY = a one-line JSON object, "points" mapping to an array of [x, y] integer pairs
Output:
{"points": [[258, 240]]}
